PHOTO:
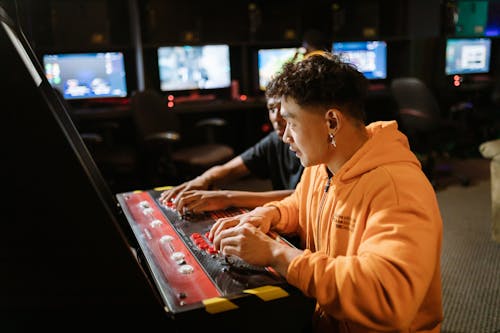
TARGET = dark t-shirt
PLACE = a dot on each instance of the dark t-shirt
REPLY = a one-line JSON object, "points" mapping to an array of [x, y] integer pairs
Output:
{"points": [[271, 158]]}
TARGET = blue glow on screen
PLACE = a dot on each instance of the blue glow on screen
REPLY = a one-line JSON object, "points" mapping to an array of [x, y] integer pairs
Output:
{"points": [[194, 67], [369, 57], [467, 56], [87, 75], [271, 61]]}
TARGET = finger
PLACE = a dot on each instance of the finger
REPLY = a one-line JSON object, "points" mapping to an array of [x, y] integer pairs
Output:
{"points": [[229, 246], [213, 229], [179, 195], [219, 225], [168, 195], [220, 240], [180, 203], [187, 200], [165, 195], [198, 206], [220, 230], [162, 195]]}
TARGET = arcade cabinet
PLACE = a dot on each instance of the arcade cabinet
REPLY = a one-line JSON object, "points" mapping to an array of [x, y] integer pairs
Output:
{"points": [[80, 258]]}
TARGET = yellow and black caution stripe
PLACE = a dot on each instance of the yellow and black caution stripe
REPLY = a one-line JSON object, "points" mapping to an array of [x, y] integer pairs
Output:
{"points": [[264, 293], [218, 304], [163, 188], [267, 293]]}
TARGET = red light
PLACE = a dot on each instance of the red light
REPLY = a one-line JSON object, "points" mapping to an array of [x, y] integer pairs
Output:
{"points": [[243, 97], [456, 83], [456, 77], [170, 104], [265, 128], [170, 97]]}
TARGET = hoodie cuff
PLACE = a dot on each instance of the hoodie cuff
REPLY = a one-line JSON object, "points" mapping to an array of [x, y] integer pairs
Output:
{"points": [[280, 226], [294, 270]]}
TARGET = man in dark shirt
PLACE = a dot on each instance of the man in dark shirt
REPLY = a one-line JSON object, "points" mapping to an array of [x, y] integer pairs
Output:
{"points": [[270, 158]]}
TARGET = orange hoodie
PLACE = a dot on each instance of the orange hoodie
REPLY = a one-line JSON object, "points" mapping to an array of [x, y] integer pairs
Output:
{"points": [[372, 240]]}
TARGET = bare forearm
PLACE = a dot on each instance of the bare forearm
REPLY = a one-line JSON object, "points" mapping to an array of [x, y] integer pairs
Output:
{"points": [[229, 171], [282, 257], [254, 199]]}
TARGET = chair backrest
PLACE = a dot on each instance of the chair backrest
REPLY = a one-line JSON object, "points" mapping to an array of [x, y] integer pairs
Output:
{"points": [[151, 114], [417, 106]]}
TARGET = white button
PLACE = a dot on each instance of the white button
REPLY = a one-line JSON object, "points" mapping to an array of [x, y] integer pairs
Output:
{"points": [[144, 204], [177, 256], [166, 238], [155, 223], [186, 269], [147, 211]]}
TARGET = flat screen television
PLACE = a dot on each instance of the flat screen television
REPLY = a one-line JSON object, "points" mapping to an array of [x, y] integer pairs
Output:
{"points": [[270, 61], [467, 56], [202, 67], [369, 57], [87, 75]]}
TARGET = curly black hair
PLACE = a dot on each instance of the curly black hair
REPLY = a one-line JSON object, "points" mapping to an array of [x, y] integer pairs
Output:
{"points": [[322, 81]]}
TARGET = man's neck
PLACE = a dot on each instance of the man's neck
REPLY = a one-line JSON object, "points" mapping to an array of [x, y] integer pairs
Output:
{"points": [[349, 141]]}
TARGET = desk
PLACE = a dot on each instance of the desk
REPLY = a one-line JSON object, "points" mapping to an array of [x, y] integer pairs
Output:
{"points": [[125, 110]]}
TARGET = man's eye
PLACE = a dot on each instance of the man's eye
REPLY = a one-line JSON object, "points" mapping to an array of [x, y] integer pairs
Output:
{"points": [[274, 107]]}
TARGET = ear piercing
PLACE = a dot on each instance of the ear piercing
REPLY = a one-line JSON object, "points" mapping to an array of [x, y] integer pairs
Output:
{"points": [[331, 139]]}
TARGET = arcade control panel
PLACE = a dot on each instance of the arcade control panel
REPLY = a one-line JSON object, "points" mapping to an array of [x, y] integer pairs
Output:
{"points": [[189, 273]]}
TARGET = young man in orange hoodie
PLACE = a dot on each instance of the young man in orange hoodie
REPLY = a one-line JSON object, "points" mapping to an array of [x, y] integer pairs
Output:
{"points": [[366, 214]]}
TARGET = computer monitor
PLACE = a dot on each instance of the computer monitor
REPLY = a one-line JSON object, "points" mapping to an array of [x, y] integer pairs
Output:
{"points": [[467, 56], [87, 75], [369, 57], [202, 67], [270, 61]]}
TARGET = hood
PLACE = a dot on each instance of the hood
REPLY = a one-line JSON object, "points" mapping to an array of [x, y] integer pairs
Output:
{"points": [[386, 145]]}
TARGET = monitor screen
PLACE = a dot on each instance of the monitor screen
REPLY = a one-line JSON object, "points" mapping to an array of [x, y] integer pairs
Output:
{"points": [[194, 67], [467, 55], [270, 61], [87, 75], [369, 57]]}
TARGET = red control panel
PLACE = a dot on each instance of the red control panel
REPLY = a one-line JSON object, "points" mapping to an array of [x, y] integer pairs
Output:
{"points": [[185, 265], [177, 264]]}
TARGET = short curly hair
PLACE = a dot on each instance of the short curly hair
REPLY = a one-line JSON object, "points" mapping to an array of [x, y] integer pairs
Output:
{"points": [[322, 81]]}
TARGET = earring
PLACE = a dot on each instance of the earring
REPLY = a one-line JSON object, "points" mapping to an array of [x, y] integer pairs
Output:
{"points": [[331, 139]]}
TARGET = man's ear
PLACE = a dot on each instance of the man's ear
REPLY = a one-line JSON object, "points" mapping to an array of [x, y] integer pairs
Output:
{"points": [[334, 120]]}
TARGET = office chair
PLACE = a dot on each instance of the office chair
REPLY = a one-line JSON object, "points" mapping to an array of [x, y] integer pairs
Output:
{"points": [[429, 134], [164, 157]]}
